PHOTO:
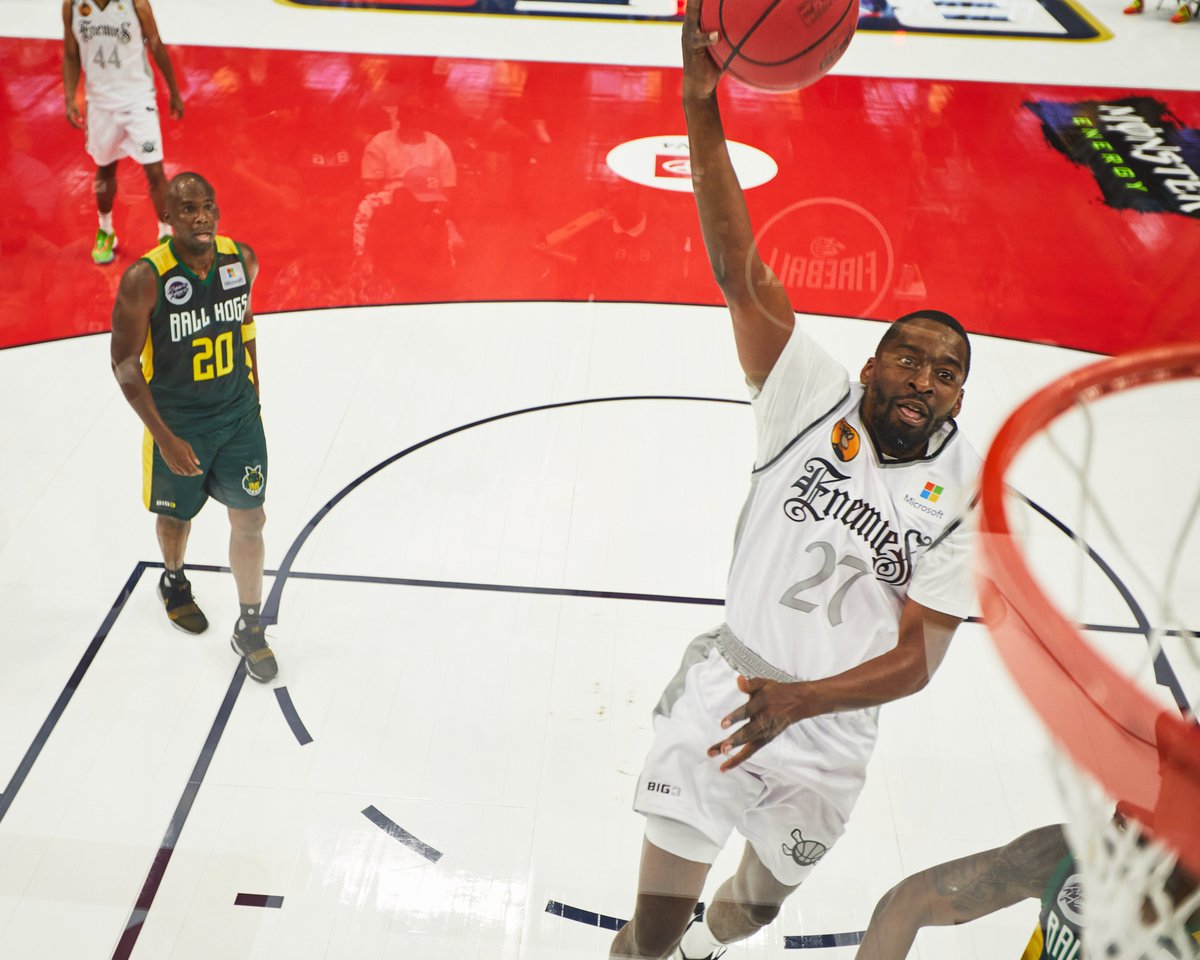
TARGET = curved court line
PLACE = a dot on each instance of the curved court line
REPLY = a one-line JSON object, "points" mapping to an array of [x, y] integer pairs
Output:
{"points": [[161, 860], [394, 830], [270, 612], [284, 699], [1164, 674]]}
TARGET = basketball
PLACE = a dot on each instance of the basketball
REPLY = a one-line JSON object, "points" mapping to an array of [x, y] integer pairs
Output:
{"points": [[779, 44]]}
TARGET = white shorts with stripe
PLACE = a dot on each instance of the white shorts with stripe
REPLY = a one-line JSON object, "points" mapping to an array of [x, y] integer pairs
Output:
{"points": [[132, 132], [791, 800]]}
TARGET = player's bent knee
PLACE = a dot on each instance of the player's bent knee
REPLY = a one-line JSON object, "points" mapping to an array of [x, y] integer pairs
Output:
{"points": [[655, 937], [760, 914]]}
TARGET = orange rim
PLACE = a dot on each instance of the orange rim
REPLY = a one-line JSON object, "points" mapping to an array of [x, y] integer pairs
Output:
{"points": [[1144, 755]]}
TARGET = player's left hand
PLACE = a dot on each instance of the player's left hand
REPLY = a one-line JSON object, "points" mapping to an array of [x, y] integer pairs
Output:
{"points": [[176, 106], [771, 709]]}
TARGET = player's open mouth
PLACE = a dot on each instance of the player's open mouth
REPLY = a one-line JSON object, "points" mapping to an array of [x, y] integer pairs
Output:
{"points": [[911, 413]]}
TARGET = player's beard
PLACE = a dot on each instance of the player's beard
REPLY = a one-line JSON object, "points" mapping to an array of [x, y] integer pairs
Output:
{"points": [[896, 436]]}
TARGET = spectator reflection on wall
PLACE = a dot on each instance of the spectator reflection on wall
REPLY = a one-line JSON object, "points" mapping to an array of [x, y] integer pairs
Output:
{"points": [[405, 241]]}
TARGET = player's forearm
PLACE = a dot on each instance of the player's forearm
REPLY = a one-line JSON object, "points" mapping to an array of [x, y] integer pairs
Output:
{"points": [[70, 72], [894, 924], [896, 674], [724, 219], [165, 67], [137, 395]]}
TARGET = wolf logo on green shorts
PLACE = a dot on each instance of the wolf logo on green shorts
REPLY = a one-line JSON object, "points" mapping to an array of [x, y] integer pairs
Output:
{"points": [[253, 481]]}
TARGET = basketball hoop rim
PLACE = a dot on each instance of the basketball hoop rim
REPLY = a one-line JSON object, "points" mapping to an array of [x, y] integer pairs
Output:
{"points": [[1022, 618]]}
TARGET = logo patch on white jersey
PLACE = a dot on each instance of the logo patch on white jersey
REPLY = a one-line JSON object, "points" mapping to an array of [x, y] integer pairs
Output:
{"points": [[85, 10], [178, 290], [232, 275], [845, 441]]}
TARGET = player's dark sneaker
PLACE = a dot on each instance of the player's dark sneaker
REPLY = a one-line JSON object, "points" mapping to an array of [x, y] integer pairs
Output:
{"points": [[249, 639], [680, 955], [104, 249], [182, 611]]}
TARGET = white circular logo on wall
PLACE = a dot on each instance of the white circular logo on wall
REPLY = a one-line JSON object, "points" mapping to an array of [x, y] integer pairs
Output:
{"points": [[663, 162]]}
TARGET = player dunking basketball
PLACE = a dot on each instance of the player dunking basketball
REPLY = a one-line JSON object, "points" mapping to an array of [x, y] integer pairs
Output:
{"points": [[850, 574], [109, 39]]}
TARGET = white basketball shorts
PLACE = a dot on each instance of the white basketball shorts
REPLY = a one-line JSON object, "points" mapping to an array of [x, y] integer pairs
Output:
{"points": [[791, 800], [133, 132]]}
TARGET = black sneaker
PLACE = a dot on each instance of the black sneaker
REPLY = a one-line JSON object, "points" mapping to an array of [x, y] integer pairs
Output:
{"points": [[250, 641], [182, 611]]}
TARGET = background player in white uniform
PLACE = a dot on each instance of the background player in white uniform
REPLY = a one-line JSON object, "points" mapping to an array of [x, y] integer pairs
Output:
{"points": [[850, 575], [109, 39]]}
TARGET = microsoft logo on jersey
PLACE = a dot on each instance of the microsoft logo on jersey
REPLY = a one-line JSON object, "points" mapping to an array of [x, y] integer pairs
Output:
{"points": [[931, 492]]}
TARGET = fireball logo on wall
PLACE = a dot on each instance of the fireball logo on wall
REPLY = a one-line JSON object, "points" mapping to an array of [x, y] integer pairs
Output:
{"points": [[833, 256]]}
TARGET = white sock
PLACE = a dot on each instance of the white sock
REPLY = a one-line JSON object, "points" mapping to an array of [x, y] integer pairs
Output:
{"points": [[698, 940], [164, 229], [106, 222]]}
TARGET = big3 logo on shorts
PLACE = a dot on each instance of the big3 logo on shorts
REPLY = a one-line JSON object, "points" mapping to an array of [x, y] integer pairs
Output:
{"points": [[254, 481]]}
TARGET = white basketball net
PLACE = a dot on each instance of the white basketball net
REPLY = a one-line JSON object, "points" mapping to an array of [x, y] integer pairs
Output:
{"points": [[1087, 464], [1128, 913]]}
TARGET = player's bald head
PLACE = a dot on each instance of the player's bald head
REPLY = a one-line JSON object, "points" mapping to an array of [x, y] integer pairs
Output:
{"points": [[181, 182]]}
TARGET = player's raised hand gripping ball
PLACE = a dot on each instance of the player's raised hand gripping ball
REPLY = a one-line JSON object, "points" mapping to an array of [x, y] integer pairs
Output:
{"points": [[779, 44]]}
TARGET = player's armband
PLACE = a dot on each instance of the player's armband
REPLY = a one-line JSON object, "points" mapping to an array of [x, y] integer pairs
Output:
{"points": [[248, 331]]}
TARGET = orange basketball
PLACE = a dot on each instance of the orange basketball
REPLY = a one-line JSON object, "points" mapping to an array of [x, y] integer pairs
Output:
{"points": [[779, 44]]}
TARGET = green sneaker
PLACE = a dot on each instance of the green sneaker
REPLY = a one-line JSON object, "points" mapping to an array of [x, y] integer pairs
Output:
{"points": [[105, 249]]}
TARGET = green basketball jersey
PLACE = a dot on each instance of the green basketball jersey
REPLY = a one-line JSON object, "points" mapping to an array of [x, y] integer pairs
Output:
{"points": [[1058, 934], [194, 360]]}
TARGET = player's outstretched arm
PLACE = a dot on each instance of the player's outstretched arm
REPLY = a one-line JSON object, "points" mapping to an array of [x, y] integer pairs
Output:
{"points": [[772, 706], [136, 298], [251, 343], [762, 316], [962, 890], [71, 68], [158, 50]]}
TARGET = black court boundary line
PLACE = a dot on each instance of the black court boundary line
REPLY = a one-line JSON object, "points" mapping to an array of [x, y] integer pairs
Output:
{"points": [[397, 832], [68, 691], [284, 699], [270, 612], [158, 868], [1164, 673], [809, 941], [258, 900], [166, 849]]}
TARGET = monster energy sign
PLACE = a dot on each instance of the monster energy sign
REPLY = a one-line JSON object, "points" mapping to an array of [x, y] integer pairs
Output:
{"points": [[1142, 157]]}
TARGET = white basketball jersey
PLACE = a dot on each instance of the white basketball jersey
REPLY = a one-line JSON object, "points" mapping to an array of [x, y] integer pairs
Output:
{"points": [[833, 538], [112, 51]]}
